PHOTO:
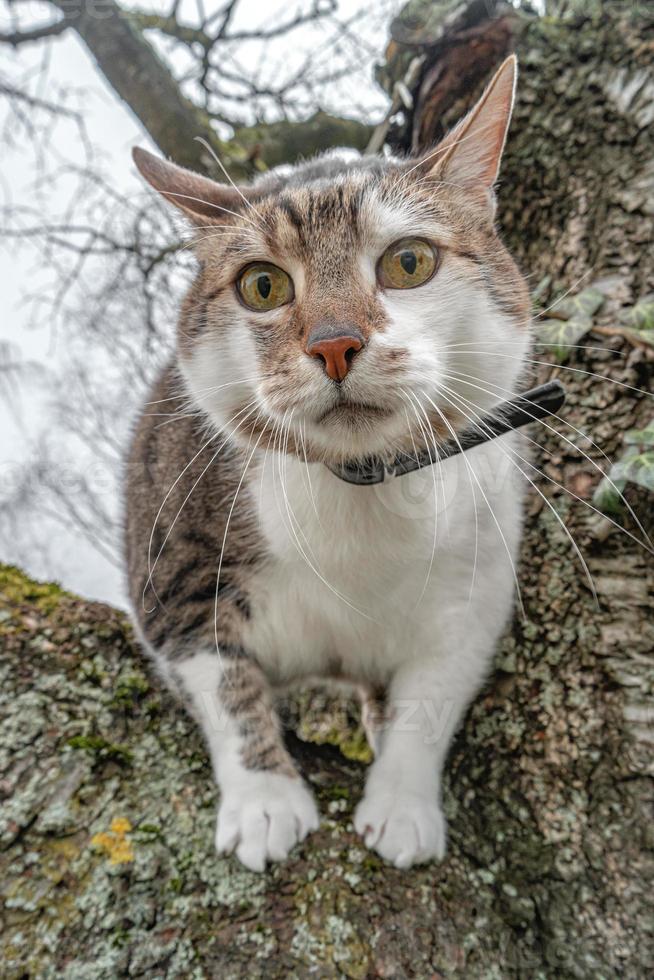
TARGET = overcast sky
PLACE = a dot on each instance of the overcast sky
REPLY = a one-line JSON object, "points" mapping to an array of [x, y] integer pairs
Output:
{"points": [[113, 130]]}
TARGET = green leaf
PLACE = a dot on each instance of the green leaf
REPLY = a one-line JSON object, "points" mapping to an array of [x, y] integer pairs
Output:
{"points": [[640, 316], [608, 496], [561, 335], [637, 469], [636, 465], [640, 437], [584, 304], [540, 290], [574, 318]]}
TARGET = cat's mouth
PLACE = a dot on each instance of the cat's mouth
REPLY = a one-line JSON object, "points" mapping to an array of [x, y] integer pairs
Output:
{"points": [[353, 413]]}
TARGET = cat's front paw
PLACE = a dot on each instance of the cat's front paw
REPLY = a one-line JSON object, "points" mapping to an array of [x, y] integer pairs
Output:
{"points": [[264, 817], [404, 827]]}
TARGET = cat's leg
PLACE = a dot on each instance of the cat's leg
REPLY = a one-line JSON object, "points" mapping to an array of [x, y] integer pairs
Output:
{"points": [[265, 807], [400, 814], [446, 661]]}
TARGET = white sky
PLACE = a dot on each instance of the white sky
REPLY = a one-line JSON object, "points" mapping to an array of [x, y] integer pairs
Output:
{"points": [[113, 130]]}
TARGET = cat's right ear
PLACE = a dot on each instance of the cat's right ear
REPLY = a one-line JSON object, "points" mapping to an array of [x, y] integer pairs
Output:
{"points": [[202, 200], [470, 154]]}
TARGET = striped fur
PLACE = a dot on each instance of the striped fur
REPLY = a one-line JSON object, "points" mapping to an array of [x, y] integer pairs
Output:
{"points": [[250, 565]]}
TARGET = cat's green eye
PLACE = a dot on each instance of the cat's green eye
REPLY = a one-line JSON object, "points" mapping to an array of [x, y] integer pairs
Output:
{"points": [[264, 286], [407, 263]]}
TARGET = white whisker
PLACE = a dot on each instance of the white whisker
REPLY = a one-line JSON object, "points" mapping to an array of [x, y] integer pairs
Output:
{"points": [[561, 367], [480, 426], [238, 190], [151, 567], [474, 500], [292, 527], [492, 513], [199, 200], [648, 547], [227, 523], [435, 531], [570, 443], [201, 391]]}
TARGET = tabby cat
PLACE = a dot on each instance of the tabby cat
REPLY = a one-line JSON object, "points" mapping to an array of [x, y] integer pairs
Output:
{"points": [[342, 309]]}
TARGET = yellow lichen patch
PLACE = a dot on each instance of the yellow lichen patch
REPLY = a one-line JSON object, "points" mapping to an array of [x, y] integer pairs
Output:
{"points": [[114, 842], [120, 826]]}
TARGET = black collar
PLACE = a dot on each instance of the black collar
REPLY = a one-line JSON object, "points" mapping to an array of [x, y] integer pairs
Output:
{"points": [[537, 403]]}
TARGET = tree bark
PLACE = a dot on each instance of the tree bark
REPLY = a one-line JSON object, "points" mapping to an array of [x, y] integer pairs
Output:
{"points": [[549, 788]]}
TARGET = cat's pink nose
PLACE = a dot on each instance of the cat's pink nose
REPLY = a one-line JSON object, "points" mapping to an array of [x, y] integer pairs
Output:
{"points": [[336, 350]]}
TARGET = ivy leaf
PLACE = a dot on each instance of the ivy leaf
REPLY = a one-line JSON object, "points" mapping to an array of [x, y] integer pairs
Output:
{"points": [[574, 318], [637, 322], [638, 469], [608, 495], [640, 316], [584, 304], [539, 291], [560, 335], [635, 466], [641, 437]]}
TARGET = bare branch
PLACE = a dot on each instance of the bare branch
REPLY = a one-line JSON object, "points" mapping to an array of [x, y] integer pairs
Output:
{"points": [[170, 25], [318, 10], [16, 38], [148, 88]]}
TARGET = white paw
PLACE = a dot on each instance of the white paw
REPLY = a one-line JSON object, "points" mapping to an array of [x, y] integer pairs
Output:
{"points": [[264, 817], [404, 827]]}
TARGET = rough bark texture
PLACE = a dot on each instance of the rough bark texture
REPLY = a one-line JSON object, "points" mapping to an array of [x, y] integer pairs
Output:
{"points": [[549, 790]]}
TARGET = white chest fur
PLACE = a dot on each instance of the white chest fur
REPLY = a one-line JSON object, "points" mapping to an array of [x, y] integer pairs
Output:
{"points": [[362, 578]]}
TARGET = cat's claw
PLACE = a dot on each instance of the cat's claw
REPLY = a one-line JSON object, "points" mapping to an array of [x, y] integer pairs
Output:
{"points": [[264, 819], [405, 828]]}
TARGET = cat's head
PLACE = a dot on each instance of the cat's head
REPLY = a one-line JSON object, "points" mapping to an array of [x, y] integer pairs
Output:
{"points": [[354, 308]]}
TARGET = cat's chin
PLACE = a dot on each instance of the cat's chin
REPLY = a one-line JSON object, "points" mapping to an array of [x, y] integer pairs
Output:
{"points": [[353, 415], [355, 431]]}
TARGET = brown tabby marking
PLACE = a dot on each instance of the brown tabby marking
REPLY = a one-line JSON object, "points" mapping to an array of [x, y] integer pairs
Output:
{"points": [[175, 605], [245, 694]]}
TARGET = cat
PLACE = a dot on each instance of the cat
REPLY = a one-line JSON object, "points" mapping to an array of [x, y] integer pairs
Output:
{"points": [[342, 309]]}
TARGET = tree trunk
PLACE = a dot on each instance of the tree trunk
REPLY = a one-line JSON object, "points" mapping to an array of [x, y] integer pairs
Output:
{"points": [[549, 790]]}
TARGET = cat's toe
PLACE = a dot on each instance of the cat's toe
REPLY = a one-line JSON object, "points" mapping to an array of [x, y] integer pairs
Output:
{"points": [[404, 828], [265, 819]]}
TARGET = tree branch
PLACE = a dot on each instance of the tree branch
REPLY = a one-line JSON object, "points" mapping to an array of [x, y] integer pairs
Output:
{"points": [[285, 141], [170, 26], [173, 122], [15, 38], [144, 83], [284, 28]]}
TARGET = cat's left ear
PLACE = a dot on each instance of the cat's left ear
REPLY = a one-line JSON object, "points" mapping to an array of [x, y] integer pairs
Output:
{"points": [[203, 201], [470, 154]]}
